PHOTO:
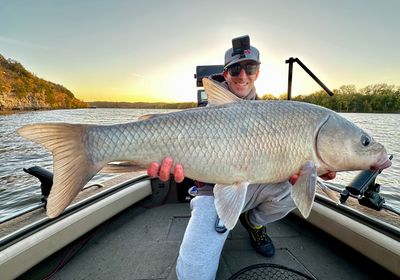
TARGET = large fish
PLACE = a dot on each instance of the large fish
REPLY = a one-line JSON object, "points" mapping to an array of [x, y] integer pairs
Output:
{"points": [[232, 144]]}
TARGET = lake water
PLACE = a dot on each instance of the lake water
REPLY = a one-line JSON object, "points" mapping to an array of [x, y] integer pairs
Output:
{"points": [[19, 190]]}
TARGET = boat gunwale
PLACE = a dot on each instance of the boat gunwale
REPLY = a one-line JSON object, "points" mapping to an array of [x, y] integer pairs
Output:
{"points": [[36, 226], [378, 225]]}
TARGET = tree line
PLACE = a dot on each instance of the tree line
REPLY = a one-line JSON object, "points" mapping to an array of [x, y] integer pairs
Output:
{"points": [[377, 98]]}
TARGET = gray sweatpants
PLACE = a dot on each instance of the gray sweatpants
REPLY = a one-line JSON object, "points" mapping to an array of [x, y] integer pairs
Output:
{"points": [[202, 246]]}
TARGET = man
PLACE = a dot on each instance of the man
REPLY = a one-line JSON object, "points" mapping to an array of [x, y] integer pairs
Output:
{"points": [[204, 237]]}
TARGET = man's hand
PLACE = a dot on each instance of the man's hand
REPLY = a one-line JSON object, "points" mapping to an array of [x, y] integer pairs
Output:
{"points": [[328, 176], [163, 171]]}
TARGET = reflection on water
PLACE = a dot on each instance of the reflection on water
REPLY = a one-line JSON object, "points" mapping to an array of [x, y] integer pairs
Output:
{"points": [[18, 189]]}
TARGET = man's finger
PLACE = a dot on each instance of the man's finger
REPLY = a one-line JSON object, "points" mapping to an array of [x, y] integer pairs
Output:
{"points": [[293, 179], [165, 169], [153, 169], [178, 173], [329, 176]]}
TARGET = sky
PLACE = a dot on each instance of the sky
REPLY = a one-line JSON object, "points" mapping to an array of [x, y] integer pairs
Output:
{"points": [[114, 50]]}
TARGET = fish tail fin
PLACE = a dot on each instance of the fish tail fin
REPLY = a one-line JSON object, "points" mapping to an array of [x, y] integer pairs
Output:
{"points": [[71, 166]]}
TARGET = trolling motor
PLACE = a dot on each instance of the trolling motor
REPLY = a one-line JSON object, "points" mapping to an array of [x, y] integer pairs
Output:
{"points": [[46, 179], [365, 189]]}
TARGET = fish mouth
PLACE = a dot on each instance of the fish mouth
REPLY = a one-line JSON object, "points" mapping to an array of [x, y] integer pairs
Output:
{"points": [[382, 165]]}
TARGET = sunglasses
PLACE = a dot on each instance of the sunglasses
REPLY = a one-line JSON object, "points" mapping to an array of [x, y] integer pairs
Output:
{"points": [[249, 68]]}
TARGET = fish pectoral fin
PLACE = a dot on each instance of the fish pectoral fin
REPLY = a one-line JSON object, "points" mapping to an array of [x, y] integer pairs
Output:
{"points": [[303, 191], [122, 167], [229, 202], [217, 95]]}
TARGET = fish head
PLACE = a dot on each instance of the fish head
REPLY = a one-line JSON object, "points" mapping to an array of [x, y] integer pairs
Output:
{"points": [[343, 146]]}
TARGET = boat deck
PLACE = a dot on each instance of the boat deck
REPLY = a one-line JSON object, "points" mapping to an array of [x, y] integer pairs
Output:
{"points": [[143, 243]]}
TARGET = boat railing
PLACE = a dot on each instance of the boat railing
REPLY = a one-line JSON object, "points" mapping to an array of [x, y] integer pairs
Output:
{"points": [[292, 60]]}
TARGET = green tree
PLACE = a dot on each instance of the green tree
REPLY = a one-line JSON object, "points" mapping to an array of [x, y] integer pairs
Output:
{"points": [[268, 96]]}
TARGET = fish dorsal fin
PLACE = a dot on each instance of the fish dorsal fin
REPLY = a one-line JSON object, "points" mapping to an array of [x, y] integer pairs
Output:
{"points": [[229, 202], [303, 191], [218, 95]]}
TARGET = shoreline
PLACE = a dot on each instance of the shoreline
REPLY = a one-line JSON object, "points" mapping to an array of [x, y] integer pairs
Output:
{"points": [[17, 111]]}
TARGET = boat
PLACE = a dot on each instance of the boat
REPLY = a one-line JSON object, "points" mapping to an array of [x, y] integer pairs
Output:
{"points": [[131, 227]]}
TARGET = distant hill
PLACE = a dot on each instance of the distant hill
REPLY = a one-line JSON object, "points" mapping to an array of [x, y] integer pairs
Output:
{"points": [[22, 90]]}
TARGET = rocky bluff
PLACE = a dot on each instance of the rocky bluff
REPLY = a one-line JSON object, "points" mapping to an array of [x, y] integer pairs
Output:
{"points": [[22, 90]]}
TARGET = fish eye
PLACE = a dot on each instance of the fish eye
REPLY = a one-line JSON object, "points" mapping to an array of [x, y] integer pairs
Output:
{"points": [[365, 140]]}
